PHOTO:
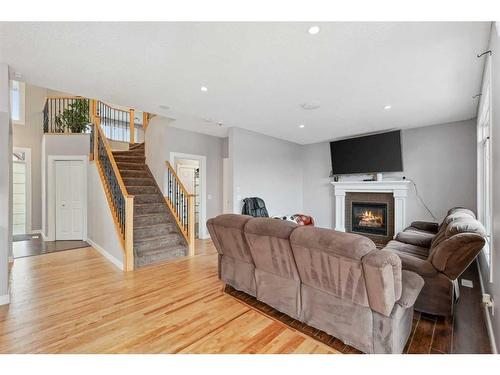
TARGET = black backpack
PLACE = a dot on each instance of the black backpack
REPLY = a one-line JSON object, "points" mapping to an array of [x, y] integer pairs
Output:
{"points": [[254, 207]]}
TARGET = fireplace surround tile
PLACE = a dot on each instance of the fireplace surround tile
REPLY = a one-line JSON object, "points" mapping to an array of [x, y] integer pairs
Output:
{"points": [[376, 191]]}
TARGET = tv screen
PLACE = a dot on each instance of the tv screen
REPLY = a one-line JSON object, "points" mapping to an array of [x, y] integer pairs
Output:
{"points": [[370, 154]]}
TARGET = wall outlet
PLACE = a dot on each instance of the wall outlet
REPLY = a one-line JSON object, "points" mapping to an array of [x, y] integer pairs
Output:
{"points": [[467, 283], [488, 302]]}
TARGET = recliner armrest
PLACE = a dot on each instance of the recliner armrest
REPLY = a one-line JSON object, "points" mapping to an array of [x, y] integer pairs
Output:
{"points": [[426, 225], [421, 266], [412, 284]]}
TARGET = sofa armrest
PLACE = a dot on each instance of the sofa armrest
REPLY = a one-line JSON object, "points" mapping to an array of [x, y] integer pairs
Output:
{"points": [[426, 225], [421, 266], [417, 239], [412, 284]]}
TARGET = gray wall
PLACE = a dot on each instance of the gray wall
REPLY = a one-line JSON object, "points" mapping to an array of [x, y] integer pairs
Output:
{"points": [[268, 168], [494, 287], [440, 159], [162, 139], [5, 183], [30, 136], [59, 144], [100, 223]]}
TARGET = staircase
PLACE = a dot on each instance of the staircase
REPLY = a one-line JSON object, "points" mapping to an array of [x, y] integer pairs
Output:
{"points": [[156, 234]]}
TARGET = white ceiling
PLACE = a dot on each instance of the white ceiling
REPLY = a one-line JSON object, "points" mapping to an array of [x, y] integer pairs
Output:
{"points": [[259, 74]]}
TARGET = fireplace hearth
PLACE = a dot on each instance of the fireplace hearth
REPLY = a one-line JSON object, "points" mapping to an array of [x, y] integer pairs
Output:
{"points": [[369, 217]]}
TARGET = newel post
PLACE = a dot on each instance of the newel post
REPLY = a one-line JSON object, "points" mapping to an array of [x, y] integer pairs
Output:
{"points": [[191, 223], [129, 234], [132, 127]]}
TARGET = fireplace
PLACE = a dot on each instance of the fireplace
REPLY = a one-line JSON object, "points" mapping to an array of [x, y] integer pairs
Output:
{"points": [[369, 217]]}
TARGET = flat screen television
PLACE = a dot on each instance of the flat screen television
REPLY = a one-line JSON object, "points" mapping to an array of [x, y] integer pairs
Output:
{"points": [[369, 154]]}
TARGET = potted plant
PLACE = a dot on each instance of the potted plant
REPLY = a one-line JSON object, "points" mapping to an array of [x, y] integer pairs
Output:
{"points": [[75, 118]]}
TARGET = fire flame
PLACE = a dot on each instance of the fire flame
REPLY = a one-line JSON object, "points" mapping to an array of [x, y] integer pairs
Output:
{"points": [[368, 218]]}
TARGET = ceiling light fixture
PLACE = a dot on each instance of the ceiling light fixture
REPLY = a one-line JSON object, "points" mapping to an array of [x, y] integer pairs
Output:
{"points": [[387, 107], [302, 126], [313, 30], [164, 107], [204, 88]]}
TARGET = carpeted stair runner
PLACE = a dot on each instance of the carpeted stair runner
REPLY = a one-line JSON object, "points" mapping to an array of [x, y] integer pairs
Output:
{"points": [[156, 235]]}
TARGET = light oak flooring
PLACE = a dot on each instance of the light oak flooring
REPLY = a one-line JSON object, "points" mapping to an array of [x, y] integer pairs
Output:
{"points": [[77, 302]]}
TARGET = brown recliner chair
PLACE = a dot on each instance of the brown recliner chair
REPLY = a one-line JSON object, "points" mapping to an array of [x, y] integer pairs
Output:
{"points": [[440, 254], [236, 266]]}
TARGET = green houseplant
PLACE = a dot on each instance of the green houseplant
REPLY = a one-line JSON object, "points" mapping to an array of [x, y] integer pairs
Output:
{"points": [[74, 118]]}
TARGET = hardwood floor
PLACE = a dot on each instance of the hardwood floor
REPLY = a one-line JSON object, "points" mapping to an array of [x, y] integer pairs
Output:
{"points": [[33, 244], [77, 302]]}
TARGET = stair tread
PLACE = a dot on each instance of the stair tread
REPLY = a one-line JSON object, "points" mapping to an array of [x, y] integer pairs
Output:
{"points": [[152, 226], [161, 249], [164, 236]]}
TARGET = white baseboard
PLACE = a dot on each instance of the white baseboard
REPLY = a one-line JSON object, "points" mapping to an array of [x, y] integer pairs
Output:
{"points": [[4, 300], [36, 231], [118, 263], [489, 326]]}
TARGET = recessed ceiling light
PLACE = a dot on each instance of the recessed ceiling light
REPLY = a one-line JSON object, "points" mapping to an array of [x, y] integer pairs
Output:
{"points": [[163, 106], [313, 30], [302, 126], [204, 88], [387, 107], [315, 104]]}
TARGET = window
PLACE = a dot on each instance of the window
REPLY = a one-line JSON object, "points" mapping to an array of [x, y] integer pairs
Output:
{"points": [[17, 99], [484, 168]]}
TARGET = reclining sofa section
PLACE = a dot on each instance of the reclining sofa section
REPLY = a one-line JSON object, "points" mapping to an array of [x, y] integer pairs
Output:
{"points": [[334, 281]]}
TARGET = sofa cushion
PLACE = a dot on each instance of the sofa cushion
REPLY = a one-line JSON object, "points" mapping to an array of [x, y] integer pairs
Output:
{"points": [[227, 234], [331, 261], [417, 251], [462, 210], [465, 225], [415, 237], [269, 243]]}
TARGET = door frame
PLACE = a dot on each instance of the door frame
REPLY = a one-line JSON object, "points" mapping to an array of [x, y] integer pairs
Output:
{"points": [[202, 228], [51, 193], [27, 151]]}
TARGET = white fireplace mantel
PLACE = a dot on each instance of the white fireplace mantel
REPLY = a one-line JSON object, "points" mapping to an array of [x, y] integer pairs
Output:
{"points": [[399, 190]]}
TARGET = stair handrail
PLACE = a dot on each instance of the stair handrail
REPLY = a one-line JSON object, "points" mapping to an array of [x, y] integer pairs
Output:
{"points": [[182, 205], [56, 104], [119, 200]]}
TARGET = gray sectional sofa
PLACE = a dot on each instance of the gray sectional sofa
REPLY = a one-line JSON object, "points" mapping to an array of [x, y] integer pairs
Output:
{"points": [[440, 253], [334, 281]]}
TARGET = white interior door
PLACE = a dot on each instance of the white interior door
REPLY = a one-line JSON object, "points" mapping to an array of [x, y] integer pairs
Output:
{"points": [[69, 199], [186, 175]]}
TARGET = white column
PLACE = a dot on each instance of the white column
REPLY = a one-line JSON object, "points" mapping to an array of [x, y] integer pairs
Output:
{"points": [[399, 210], [5, 184], [339, 210]]}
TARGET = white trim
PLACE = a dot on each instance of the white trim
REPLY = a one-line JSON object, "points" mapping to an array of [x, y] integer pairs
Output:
{"points": [[51, 214], [117, 262], [27, 152], [399, 190], [202, 228], [489, 325], [4, 300]]}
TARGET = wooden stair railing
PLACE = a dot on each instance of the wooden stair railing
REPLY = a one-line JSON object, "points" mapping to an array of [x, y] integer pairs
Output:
{"points": [[181, 204], [103, 121], [120, 202], [118, 124]]}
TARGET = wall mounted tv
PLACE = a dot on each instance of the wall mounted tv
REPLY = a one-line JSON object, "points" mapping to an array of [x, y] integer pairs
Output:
{"points": [[369, 154]]}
